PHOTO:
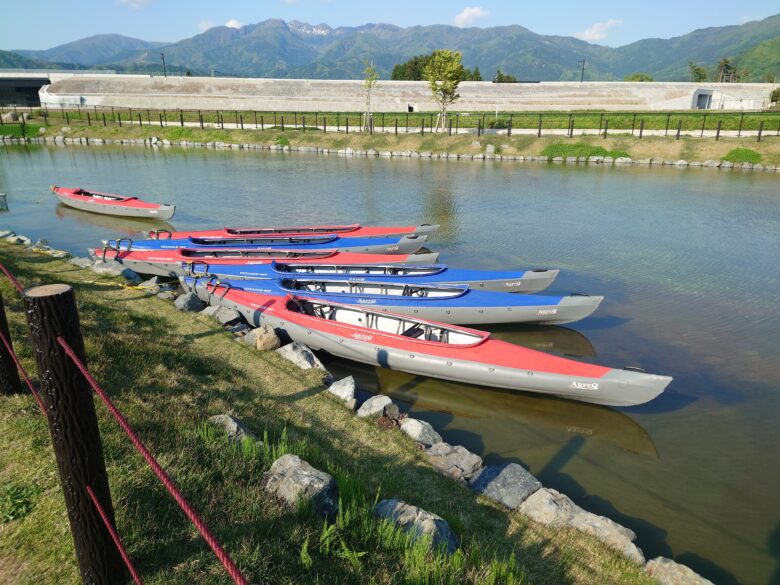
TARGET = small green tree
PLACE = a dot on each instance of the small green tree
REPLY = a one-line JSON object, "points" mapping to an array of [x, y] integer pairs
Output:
{"points": [[697, 72], [501, 77], [638, 77], [444, 73], [726, 71], [369, 83]]}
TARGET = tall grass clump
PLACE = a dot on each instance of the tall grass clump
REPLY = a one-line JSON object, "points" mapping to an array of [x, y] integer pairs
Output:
{"points": [[580, 149], [742, 155]]}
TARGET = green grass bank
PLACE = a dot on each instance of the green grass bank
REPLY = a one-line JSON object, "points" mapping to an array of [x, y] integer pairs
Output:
{"points": [[168, 371]]}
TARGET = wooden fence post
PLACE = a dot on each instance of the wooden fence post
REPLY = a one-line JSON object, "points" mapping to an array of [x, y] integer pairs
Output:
{"points": [[9, 375], [641, 128], [679, 127], [119, 118], [717, 131], [241, 118], [396, 125], [104, 118], [760, 130], [668, 117], [703, 124], [161, 120], [606, 127], [89, 121], [741, 119], [347, 124], [51, 313], [181, 118], [539, 129]]}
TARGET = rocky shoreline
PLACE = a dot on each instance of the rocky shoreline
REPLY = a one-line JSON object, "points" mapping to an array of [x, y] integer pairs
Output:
{"points": [[490, 155], [291, 479]]}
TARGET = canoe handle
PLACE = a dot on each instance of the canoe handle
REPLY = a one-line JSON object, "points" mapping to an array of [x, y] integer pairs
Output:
{"points": [[189, 267], [155, 235]]}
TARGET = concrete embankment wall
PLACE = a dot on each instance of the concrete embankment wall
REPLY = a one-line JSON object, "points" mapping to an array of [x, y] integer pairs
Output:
{"points": [[207, 93]]}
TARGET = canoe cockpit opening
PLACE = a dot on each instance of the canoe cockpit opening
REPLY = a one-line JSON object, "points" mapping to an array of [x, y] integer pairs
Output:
{"points": [[393, 324], [94, 195], [361, 269], [388, 289]]}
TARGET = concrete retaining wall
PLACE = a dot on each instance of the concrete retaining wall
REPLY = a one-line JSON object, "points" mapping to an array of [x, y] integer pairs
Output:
{"points": [[207, 93]]}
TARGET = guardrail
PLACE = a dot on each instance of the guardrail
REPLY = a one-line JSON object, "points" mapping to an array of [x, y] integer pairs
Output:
{"points": [[66, 401], [710, 123]]}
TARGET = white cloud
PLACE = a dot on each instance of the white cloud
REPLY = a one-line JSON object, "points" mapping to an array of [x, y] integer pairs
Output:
{"points": [[205, 25], [233, 23], [598, 31], [135, 4], [470, 15]]}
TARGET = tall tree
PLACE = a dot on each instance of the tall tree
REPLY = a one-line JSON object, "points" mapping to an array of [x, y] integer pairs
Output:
{"points": [[697, 72], [638, 77], [501, 77], [369, 83], [726, 71], [444, 73]]}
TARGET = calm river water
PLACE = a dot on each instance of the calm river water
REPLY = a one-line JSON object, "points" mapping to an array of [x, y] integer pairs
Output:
{"points": [[688, 261]]}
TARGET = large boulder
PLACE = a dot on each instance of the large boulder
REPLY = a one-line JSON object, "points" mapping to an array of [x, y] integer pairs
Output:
{"points": [[508, 484], [292, 479], [374, 406], [418, 523], [667, 572], [556, 510], [454, 460], [303, 357], [188, 302], [226, 316], [263, 338], [234, 428], [343, 389], [420, 431]]}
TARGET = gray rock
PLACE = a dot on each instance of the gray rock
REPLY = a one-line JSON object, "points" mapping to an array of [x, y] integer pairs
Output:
{"points": [[374, 406], [351, 404], [726, 164], [235, 429], [292, 479], [114, 268], [490, 149], [210, 310], [681, 163], [19, 239], [557, 159], [81, 262], [6, 233], [623, 160], [343, 389], [152, 286], [508, 484], [758, 167], [188, 302], [571, 160], [226, 316], [556, 510], [166, 295], [303, 357], [418, 523], [608, 160], [455, 461], [420, 431], [238, 329], [263, 338], [667, 572]]}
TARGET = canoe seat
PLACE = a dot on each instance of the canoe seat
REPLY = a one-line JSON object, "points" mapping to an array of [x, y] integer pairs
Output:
{"points": [[414, 332]]}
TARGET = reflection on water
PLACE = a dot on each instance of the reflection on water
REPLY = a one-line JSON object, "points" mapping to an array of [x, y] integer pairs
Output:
{"points": [[129, 226], [687, 260]]}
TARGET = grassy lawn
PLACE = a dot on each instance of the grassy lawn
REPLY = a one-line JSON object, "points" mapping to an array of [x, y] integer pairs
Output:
{"points": [[168, 371]]}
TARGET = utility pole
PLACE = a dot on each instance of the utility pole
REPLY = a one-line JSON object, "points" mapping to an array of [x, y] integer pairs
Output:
{"points": [[582, 74], [165, 73]]}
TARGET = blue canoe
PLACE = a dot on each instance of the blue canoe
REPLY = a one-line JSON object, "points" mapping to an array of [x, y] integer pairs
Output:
{"points": [[455, 304], [402, 245], [516, 281]]}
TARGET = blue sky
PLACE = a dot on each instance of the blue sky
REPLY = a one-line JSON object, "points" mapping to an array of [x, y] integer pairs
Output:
{"points": [[41, 24]]}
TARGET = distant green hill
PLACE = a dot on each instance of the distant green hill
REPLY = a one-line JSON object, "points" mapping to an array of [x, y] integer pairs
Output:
{"points": [[761, 61], [10, 60], [274, 48]]}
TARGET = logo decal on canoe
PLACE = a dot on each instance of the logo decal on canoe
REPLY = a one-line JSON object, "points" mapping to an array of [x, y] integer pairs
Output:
{"points": [[362, 336], [367, 301], [547, 311], [391, 248], [515, 283], [584, 385]]}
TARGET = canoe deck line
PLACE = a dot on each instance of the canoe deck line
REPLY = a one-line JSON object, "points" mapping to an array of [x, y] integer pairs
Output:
{"points": [[447, 352], [109, 204]]}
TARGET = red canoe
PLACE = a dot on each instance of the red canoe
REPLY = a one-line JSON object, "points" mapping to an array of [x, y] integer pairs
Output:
{"points": [[433, 349], [352, 231], [110, 204], [174, 262]]}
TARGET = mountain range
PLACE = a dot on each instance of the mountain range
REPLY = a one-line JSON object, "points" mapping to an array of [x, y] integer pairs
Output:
{"points": [[275, 48]]}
